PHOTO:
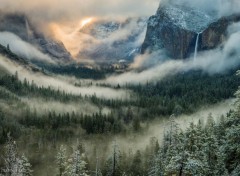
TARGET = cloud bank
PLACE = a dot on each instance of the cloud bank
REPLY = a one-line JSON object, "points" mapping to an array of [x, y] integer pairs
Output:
{"points": [[159, 127], [212, 61], [62, 19], [22, 48], [43, 106], [58, 10], [61, 84]]}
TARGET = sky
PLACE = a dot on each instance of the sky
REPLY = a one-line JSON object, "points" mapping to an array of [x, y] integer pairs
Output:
{"points": [[70, 10], [62, 10]]}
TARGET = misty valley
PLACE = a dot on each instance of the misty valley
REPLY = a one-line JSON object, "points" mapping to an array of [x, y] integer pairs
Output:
{"points": [[117, 88]]}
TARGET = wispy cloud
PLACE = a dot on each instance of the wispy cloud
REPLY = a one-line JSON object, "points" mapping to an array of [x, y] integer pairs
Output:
{"points": [[158, 67], [76, 9], [22, 48], [59, 83]]}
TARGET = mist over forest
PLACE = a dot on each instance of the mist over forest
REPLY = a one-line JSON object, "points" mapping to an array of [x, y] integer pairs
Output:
{"points": [[120, 88]]}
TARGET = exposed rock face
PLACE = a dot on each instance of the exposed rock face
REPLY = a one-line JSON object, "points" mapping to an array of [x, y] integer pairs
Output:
{"points": [[19, 25], [176, 29], [54, 48], [216, 33]]}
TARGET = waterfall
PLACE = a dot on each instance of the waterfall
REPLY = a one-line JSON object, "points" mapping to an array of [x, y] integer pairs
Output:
{"points": [[196, 46], [29, 32]]}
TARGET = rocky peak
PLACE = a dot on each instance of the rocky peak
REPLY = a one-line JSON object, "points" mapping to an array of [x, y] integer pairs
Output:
{"points": [[21, 26], [14, 23], [185, 17], [176, 28]]}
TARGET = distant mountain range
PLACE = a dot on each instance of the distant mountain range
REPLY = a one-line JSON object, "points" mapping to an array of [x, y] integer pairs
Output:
{"points": [[178, 30], [111, 45]]}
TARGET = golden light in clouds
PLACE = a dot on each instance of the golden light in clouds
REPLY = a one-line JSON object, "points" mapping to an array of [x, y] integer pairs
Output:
{"points": [[86, 21], [69, 34]]}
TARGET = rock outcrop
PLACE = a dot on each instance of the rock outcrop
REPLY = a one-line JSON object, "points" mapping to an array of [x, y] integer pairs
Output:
{"points": [[176, 29], [19, 25]]}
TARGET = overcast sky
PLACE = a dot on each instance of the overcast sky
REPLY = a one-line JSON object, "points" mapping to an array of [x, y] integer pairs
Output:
{"points": [[55, 10]]}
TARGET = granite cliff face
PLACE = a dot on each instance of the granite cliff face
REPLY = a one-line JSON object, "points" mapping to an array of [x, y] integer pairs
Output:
{"points": [[19, 25], [177, 30]]}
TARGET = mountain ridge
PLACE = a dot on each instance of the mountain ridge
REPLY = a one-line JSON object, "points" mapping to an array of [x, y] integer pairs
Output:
{"points": [[173, 29], [20, 25]]}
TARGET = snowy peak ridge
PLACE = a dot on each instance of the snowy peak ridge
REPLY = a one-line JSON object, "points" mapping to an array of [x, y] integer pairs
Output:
{"points": [[187, 18], [194, 29]]}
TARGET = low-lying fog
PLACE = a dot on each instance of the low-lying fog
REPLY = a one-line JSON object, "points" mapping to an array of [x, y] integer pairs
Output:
{"points": [[83, 107], [61, 83], [158, 127]]}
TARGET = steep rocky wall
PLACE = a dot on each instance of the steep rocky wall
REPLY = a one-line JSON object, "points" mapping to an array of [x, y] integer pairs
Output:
{"points": [[216, 33], [175, 30], [20, 26]]}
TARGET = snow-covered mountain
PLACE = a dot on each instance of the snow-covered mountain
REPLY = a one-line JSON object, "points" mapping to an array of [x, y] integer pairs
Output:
{"points": [[110, 40], [187, 18], [114, 40], [180, 30]]}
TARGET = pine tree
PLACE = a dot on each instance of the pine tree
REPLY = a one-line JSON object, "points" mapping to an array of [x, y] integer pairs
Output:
{"points": [[113, 163], [176, 156], [220, 166], [236, 171], [61, 160], [97, 170], [78, 165], [157, 166], [25, 166], [136, 166], [11, 160], [15, 166]]}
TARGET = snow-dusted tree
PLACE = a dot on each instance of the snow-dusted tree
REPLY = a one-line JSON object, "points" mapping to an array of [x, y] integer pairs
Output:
{"points": [[24, 167], [176, 156], [15, 166], [113, 163], [163, 155], [236, 171], [78, 165], [173, 129], [97, 171], [157, 166], [220, 130], [194, 167], [62, 160], [220, 166], [232, 145], [137, 164], [10, 159]]}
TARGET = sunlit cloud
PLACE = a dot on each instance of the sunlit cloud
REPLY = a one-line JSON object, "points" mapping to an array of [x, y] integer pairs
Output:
{"points": [[86, 21], [69, 34]]}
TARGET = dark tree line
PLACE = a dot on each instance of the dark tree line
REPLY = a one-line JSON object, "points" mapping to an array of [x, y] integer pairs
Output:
{"points": [[184, 93], [27, 89]]}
